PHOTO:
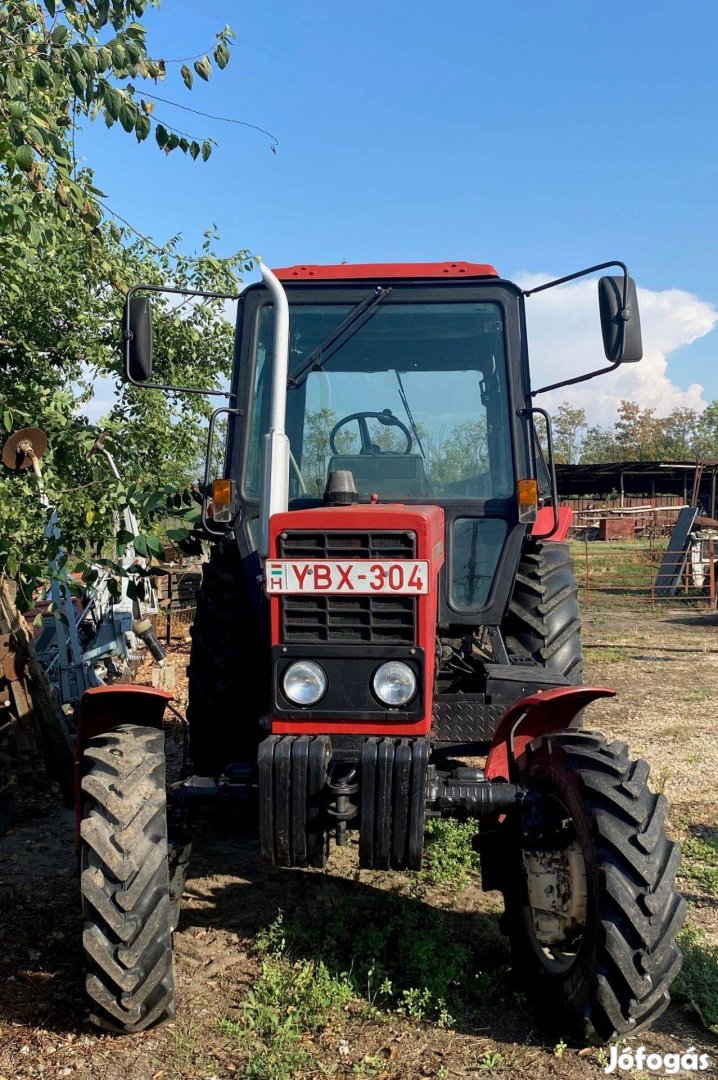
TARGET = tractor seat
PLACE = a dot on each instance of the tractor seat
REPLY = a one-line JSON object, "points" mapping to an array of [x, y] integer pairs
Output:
{"points": [[391, 476]]}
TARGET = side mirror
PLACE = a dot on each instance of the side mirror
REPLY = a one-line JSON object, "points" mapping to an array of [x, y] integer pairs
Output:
{"points": [[621, 326], [138, 339]]}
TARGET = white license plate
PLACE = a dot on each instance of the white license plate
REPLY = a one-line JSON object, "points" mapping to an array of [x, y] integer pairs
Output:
{"points": [[346, 576]]}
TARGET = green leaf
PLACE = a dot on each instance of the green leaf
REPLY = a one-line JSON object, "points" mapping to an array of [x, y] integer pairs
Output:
{"points": [[142, 127], [51, 7], [128, 115], [187, 76], [140, 545], [24, 157], [194, 150], [113, 102], [119, 57], [12, 565], [206, 150], [161, 136], [136, 590], [203, 68], [178, 534], [42, 73], [155, 546]]}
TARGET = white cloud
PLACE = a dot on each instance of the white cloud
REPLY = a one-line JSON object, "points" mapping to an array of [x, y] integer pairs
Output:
{"points": [[565, 340]]}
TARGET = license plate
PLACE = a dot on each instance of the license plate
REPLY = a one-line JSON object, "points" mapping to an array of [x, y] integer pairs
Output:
{"points": [[349, 577]]}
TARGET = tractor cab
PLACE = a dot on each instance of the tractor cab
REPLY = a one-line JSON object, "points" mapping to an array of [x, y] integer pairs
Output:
{"points": [[410, 380]]}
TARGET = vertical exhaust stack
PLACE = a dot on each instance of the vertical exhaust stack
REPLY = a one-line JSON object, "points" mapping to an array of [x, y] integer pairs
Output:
{"points": [[275, 448]]}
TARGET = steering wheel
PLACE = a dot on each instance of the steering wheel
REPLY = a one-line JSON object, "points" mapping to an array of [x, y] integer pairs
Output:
{"points": [[386, 418]]}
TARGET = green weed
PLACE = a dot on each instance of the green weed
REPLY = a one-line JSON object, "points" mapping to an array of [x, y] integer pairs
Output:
{"points": [[697, 984], [289, 1002], [675, 731], [602, 655], [449, 855], [489, 1061], [398, 956], [700, 862]]}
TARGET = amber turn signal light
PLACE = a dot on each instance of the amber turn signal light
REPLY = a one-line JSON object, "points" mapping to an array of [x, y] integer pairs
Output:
{"points": [[223, 500], [527, 495]]}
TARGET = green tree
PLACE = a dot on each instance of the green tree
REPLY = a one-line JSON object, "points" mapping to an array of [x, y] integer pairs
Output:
{"points": [[64, 268], [705, 436], [462, 454], [569, 425], [316, 450]]}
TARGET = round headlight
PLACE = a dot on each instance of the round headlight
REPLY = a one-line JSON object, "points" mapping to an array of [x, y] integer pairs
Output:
{"points": [[304, 683], [394, 683]]}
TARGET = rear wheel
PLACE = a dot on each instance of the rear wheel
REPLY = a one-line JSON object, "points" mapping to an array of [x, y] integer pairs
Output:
{"points": [[588, 880], [127, 934], [542, 623], [226, 668]]}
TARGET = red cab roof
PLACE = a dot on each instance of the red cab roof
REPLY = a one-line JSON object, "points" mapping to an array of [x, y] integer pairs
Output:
{"points": [[385, 271]]}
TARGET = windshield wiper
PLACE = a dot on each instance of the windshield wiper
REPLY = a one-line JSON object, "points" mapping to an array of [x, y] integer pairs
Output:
{"points": [[354, 321], [407, 410]]}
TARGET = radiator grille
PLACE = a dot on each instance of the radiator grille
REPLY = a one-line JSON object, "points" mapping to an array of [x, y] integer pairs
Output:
{"points": [[346, 620]]}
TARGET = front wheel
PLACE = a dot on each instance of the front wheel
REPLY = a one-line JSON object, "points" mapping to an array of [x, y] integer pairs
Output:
{"points": [[588, 882], [125, 880]]}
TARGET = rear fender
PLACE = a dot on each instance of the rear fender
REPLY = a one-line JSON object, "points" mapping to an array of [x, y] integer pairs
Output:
{"points": [[106, 707], [537, 714]]}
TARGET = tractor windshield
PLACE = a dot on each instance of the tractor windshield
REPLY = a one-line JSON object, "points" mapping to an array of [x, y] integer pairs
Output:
{"points": [[413, 400]]}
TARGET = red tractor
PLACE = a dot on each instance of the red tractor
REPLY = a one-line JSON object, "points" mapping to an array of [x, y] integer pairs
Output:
{"points": [[389, 598]]}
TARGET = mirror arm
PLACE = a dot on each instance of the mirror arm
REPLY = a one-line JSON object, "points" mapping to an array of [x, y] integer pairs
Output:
{"points": [[529, 413], [206, 526], [576, 379], [582, 273], [127, 337], [625, 314]]}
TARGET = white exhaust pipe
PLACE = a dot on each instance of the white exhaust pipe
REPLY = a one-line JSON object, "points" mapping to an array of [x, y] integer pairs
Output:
{"points": [[274, 495]]}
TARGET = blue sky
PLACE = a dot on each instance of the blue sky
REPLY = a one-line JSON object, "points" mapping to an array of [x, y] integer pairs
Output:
{"points": [[541, 137]]}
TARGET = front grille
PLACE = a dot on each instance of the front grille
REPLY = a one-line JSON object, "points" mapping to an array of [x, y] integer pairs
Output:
{"points": [[344, 545], [346, 620]]}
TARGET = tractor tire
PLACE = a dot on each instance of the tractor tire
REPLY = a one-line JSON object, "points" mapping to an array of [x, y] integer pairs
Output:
{"points": [[542, 623], [227, 668], [127, 936], [600, 958]]}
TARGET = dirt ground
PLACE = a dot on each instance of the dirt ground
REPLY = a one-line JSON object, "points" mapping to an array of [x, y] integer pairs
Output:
{"points": [[665, 669]]}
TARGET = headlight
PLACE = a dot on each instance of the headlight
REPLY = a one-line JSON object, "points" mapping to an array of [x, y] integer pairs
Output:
{"points": [[304, 683], [394, 683]]}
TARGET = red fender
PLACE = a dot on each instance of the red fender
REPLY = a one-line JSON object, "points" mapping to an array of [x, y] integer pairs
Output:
{"points": [[544, 522], [548, 710], [106, 707]]}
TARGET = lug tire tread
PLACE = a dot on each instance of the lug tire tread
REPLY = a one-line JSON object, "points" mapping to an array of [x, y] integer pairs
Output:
{"points": [[631, 869], [543, 623], [127, 934]]}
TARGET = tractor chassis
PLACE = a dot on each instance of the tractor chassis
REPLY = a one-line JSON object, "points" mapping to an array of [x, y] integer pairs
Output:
{"points": [[306, 794]]}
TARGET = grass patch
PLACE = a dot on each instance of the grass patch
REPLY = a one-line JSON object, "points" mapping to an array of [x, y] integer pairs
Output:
{"points": [[697, 984], [291, 1003], [607, 655], [700, 862], [674, 731], [449, 856], [398, 954], [699, 694], [393, 952]]}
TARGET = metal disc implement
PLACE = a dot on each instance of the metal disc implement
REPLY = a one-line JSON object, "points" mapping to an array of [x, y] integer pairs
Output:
{"points": [[20, 449]]}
